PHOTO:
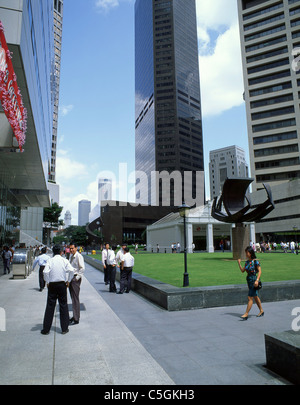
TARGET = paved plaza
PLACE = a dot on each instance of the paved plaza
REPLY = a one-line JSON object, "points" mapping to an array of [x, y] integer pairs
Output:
{"points": [[126, 340]]}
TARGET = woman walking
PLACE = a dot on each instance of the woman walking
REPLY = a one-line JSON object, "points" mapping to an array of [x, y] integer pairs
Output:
{"points": [[253, 269]]}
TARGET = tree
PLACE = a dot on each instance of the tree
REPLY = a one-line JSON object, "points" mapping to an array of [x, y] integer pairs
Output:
{"points": [[51, 219], [73, 233]]}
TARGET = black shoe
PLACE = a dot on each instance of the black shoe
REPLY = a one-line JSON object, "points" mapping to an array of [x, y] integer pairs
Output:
{"points": [[260, 315], [73, 322], [44, 332], [120, 292], [127, 291], [64, 332]]}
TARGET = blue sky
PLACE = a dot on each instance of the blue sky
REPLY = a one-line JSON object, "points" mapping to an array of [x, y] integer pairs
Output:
{"points": [[96, 119]]}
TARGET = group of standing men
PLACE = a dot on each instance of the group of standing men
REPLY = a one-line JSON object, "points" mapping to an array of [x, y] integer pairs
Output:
{"points": [[59, 274], [124, 260]]}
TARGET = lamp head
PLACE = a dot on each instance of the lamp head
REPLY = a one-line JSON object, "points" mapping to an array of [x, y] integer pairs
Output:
{"points": [[184, 210]]}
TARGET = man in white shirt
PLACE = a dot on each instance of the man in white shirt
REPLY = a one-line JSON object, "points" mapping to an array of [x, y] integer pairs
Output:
{"points": [[126, 271], [105, 254], [292, 246], [41, 260], [77, 262], [120, 254], [58, 273], [111, 267]]}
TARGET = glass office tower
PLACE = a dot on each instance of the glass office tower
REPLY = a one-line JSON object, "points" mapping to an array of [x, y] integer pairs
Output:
{"points": [[167, 93], [58, 24], [28, 28]]}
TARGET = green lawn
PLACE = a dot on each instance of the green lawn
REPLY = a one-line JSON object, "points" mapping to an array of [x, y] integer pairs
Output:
{"points": [[213, 269]]}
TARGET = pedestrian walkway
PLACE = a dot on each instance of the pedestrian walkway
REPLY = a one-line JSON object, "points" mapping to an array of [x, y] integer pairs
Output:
{"points": [[100, 350], [126, 340], [205, 346]]}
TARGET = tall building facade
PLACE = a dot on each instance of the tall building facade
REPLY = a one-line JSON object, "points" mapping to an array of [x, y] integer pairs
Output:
{"points": [[57, 26], [84, 209], [28, 28], [270, 30], [224, 163], [104, 190], [168, 121]]}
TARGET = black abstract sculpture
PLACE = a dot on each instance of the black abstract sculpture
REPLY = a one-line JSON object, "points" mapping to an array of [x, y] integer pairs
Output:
{"points": [[236, 202]]}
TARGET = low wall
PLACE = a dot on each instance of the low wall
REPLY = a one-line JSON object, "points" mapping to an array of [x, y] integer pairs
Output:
{"points": [[283, 355], [178, 299]]}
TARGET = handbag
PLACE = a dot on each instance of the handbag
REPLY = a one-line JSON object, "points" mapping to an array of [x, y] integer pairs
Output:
{"points": [[259, 287]]}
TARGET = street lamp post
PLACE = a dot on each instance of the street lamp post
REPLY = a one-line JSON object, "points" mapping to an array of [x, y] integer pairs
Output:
{"points": [[184, 212], [295, 229]]}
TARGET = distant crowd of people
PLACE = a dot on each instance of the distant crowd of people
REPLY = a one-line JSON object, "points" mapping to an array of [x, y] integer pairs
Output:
{"points": [[263, 247]]}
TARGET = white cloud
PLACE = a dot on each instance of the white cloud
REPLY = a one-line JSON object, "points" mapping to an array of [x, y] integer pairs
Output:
{"points": [[215, 14], [65, 109], [79, 181], [106, 5], [67, 169], [219, 56], [71, 176], [221, 75]]}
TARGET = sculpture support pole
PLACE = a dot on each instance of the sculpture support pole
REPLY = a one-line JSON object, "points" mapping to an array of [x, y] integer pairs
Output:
{"points": [[240, 240]]}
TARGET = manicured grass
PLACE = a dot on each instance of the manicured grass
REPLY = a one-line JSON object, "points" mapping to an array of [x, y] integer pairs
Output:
{"points": [[213, 269]]}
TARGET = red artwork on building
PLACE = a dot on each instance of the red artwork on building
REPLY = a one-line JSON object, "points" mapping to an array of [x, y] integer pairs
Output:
{"points": [[10, 95]]}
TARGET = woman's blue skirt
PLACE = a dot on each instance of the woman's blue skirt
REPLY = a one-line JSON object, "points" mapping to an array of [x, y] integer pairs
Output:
{"points": [[252, 291]]}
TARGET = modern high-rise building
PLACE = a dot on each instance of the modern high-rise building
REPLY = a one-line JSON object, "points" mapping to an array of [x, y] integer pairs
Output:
{"points": [[224, 163], [24, 162], [57, 25], [168, 121], [84, 209], [104, 190], [270, 31]]}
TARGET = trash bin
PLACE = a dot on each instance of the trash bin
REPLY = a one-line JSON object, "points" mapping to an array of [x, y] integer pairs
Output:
{"points": [[29, 261], [20, 266]]}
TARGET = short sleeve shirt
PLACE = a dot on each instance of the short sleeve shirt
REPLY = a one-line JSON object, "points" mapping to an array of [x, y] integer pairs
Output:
{"points": [[251, 267]]}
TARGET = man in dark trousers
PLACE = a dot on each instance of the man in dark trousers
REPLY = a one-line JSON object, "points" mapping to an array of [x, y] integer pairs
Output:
{"points": [[41, 260], [58, 273], [7, 257], [77, 262], [105, 254], [127, 263]]}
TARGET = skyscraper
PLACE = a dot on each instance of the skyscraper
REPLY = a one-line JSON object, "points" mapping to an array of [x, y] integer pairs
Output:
{"points": [[270, 30], [57, 24], [224, 163], [168, 125], [104, 190], [84, 209]]}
